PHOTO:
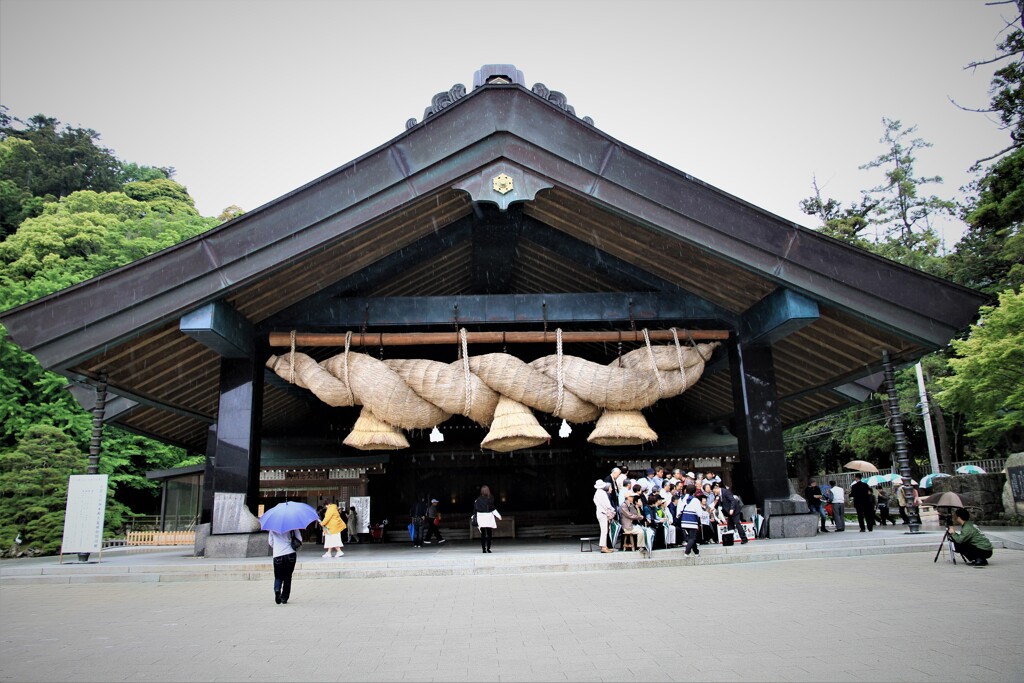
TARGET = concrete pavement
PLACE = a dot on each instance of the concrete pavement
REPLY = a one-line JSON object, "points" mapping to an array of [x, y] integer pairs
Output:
{"points": [[457, 558], [867, 617]]}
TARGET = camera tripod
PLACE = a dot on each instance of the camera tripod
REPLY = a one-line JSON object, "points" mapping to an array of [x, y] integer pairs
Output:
{"points": [[946, 538]]}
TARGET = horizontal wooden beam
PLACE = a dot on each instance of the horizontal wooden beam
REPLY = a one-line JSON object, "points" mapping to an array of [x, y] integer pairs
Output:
{"points": [[521, 337]]}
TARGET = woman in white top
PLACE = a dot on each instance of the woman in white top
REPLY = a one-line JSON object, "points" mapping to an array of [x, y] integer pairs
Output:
{"points": [[284, 562], [689, 518], [604, 511]]}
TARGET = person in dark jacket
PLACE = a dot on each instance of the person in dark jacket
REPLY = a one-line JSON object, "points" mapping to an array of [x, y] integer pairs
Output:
{"points": [[433, 523], [730, 507], [863, 503], [418, 515], [485, 515], [815, 503]]}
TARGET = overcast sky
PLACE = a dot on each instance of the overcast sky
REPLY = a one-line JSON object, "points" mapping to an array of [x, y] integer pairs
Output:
{"points": [[251, 99]]}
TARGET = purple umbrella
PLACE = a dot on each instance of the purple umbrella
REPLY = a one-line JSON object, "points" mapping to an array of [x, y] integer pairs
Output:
{"points": [[287, 516]]}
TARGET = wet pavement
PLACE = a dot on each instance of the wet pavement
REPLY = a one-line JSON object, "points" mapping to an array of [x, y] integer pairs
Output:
{"points": [[881, 611]]}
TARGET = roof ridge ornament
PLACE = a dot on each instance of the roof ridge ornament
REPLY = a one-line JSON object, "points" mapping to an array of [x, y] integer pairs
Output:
{"points": [[495, 74], [558, 99]]}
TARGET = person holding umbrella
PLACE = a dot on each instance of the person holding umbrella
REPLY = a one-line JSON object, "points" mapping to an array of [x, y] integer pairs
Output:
{"points": [[284, 521], [863, 502]]}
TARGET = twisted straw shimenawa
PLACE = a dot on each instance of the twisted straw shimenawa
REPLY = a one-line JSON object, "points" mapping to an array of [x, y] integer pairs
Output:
{"points": [[420, 394]]}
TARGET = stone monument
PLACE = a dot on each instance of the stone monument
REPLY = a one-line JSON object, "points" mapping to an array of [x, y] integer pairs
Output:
{"points": [[235, 532]]}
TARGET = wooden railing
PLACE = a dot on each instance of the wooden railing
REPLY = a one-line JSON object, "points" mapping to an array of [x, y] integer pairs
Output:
{"points": [[160, 538]]}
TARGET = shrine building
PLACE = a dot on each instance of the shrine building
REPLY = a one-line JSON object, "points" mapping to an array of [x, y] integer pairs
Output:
{"points": [[501, 294]]}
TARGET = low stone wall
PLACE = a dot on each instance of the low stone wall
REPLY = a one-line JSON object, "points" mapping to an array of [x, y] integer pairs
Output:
{"points": [[983, 493]]}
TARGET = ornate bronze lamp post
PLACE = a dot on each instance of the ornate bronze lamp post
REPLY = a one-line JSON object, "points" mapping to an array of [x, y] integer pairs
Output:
{"points": [[902, 454]]}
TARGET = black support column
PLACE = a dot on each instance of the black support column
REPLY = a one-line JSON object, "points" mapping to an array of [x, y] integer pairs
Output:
{"points": [[762, 469], [239, 422]]}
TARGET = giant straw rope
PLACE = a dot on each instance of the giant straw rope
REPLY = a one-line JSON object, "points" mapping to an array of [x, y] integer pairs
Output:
{"points": [[498, 390]]}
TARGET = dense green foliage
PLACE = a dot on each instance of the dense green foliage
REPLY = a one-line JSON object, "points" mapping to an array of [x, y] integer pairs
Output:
{"points": [[987, 383], [71, 234], [34, 485]]}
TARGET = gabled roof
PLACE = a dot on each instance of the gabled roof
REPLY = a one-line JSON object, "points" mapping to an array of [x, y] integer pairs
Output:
{"points": [[418, 217]]}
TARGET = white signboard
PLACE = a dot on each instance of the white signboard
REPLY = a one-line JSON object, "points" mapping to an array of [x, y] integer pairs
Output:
{"points": [[83, 518], [362, 506]]}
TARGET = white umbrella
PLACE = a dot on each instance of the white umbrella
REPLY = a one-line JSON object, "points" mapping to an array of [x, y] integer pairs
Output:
{"points": [[926, 480]]}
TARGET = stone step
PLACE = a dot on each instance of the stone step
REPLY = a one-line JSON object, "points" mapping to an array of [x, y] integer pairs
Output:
{"points": [[198, 569]]}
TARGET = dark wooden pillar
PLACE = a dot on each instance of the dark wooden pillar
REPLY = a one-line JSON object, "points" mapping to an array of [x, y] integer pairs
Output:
{"points": [[236, 462], [209, 476], [762, 468]]}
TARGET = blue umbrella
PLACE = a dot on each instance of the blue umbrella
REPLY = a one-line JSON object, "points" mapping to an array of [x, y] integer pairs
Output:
{"points": [[287, 516], [926, 480], [970, 469], [876, 479]]}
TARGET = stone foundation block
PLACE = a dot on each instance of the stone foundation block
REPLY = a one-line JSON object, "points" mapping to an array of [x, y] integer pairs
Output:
{"points": [[238, 545], [793, 526]]}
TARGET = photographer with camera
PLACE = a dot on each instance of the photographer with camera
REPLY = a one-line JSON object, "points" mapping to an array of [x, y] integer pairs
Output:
{"points": [[970, 542]]}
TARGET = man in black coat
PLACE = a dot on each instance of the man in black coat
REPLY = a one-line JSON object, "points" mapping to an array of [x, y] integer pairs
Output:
{"points": [[730, 507], [863, 502], [418, 515]]}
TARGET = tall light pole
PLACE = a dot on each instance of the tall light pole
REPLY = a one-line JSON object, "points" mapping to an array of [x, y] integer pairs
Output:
{"points": [[926, 415]]}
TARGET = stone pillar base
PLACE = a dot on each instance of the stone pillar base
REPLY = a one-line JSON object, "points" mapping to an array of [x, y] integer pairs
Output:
{"points": [[793, 526], [202, 534], [254, 544]]}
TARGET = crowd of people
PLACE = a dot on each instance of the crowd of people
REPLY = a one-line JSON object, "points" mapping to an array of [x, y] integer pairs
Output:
{"points": [[828, 501], [682, 509]]}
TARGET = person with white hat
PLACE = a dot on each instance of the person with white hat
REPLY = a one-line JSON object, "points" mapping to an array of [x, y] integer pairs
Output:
{"points": [[604, 511]]}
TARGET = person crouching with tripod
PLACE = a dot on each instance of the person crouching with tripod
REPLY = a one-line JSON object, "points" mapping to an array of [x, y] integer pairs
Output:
{"points": [[970, 542]]}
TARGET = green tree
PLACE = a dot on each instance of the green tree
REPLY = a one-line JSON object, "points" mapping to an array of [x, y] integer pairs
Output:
{"points": [[991, 255], [162, 195], [88, 233], [872, 442], [75, 238], [49, 160], [133, 173], [987, 380], [34, 485], [1005, 90], [847, 225], [898, 204]]}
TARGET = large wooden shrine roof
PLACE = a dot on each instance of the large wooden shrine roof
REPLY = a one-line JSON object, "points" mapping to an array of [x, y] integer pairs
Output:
{"points": [[419, 217]]}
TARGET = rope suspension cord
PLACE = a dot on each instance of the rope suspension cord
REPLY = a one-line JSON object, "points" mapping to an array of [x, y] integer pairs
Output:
{"points": [[291, 358], [694, 345], [560, 371], [654, 363], [313, 339], [679, 350], [348, 345], [468, 375]]}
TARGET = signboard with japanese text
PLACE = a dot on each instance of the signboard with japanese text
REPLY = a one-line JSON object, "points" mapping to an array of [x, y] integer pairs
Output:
{"points": [[362, 506], [1015, 475], [83, 517]]}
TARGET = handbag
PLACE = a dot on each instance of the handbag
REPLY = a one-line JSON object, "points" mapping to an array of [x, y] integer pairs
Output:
{"points": [[296, 543]]}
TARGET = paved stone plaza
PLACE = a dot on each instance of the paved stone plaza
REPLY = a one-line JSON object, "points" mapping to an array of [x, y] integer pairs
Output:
{"points": [[890, 617]]}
